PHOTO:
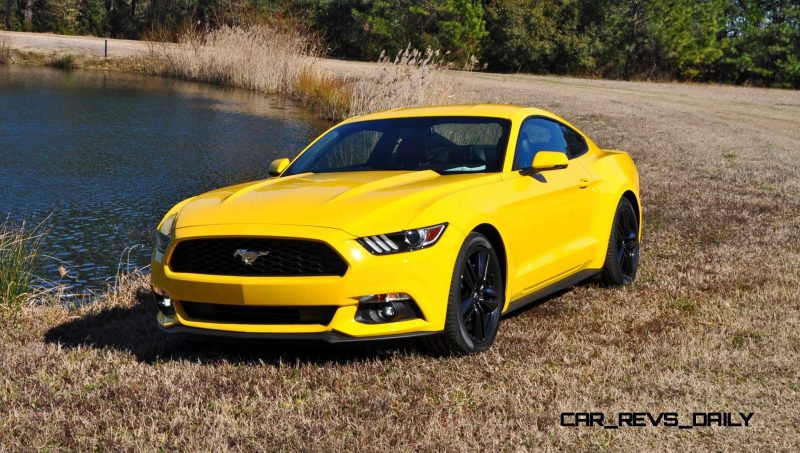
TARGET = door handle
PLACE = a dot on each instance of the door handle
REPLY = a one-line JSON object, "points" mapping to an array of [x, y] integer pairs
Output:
{"points": [[583, 183]]}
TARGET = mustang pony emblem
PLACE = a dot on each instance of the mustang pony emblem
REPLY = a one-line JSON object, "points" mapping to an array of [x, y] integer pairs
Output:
{"points": [[249, 256]]}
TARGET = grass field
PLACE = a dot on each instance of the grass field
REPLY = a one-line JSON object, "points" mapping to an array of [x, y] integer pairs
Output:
{"points": [[712, 323]]}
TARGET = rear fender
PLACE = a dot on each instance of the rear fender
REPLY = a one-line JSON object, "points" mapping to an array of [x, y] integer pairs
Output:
{"points": [[616, 175]]}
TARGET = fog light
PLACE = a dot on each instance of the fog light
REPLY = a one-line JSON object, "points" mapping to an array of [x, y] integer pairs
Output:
{"points": [[387, 307], [163, 301], [387, 312]]}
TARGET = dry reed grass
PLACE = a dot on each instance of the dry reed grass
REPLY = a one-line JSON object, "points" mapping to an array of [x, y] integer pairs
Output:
{"points": [[411, 78], [283, 61], [322, 92], [260, 58], [5, 49]]}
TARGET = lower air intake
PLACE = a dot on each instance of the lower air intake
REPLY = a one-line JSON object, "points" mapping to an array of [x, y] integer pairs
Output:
{"points": [[254, 314]]}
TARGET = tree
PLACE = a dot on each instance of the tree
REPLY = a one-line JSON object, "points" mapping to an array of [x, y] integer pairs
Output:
{"points": [[7, 14], [92, 17], [363, 29], [765, 43], [537, 36]]}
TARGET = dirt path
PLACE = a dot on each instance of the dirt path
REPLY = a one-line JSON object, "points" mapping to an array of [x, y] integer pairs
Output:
{"points": [[83, 45]]}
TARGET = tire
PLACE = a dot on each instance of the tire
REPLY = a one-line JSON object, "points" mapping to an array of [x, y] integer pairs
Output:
{"points": [[475, 303], [622, 256]]}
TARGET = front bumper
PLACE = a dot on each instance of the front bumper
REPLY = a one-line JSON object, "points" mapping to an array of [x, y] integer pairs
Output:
{"points": [[328, 337], [423, 274]]}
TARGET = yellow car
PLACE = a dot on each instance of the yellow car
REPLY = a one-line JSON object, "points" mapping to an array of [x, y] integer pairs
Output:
{"points": [[430, 221]]}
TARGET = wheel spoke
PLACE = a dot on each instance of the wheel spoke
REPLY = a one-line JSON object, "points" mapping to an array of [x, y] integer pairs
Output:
{"points": [[473, 275], [483, 266], [630, 221], [489, 302], [620, 254], [478, 325], [489, 305], [624, 264], [467, 279], [467, 308], [634, 257], [620, 230], [487, 321]]}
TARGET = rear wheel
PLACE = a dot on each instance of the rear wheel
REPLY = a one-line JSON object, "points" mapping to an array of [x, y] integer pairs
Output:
{"points": [[622, 257], [476, 300]]}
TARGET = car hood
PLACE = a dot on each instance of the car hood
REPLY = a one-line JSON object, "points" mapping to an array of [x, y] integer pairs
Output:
{"points": [[359, 203]]}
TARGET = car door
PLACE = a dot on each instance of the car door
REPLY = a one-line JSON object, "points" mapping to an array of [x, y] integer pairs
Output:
{"points": [[547, 213]]}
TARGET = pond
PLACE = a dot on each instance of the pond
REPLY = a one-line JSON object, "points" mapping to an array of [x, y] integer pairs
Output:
{"points": [[102, 156]]}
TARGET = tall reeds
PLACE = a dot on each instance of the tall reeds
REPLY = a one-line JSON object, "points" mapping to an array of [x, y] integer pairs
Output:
{"points": [[284, 61], [261, 58], [5, 49], [19, 252], [410, 78]]}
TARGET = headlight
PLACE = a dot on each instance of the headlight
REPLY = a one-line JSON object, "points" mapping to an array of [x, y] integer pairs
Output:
{"points": [[164, 234], [403, 241]]}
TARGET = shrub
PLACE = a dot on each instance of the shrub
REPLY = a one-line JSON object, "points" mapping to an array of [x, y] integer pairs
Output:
{"points": [[66, 62]]}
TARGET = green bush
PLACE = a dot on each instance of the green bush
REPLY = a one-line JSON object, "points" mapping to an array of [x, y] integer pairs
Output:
{"points": [[66, 62]]}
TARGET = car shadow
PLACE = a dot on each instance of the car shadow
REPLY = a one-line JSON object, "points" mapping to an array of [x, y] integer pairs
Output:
{"points": [[133, 330], [536, 304]]}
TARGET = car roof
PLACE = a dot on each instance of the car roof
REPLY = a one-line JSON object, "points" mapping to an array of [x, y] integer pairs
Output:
{"points": [[507, 111]]}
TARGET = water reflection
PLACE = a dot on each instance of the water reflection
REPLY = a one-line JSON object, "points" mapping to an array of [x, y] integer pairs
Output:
{"points": [[107, 154]]}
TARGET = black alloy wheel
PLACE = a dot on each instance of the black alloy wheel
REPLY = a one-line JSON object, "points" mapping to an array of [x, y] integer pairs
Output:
{"points": [[476, 300], [478, 294], [622, 258]]}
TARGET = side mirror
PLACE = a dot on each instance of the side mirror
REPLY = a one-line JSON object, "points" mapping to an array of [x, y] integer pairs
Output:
{"points": [[277, 166], [546, 160]]}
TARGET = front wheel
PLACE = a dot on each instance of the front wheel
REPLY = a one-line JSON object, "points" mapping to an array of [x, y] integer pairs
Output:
{"points": [[476, 300], [622, 256]]}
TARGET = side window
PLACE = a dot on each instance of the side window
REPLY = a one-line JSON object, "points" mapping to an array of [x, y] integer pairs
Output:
{"points": [[576, 144], [541, 134]]}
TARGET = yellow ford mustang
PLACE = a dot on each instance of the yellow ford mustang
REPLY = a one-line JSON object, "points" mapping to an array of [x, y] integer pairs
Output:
{"points": [[430, 221]]}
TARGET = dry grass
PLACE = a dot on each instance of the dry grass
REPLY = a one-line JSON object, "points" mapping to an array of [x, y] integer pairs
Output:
{"points": [[324, 93], [281, 61], [712, 324], [409, 79], [5, 49], [259, 58]]}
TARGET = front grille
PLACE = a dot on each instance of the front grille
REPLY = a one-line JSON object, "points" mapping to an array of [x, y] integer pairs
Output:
{"points": [[284, 257], [255, 314]]}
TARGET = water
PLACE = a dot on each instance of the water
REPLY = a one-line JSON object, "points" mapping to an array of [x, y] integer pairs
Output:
{"points": [[105, 155]]}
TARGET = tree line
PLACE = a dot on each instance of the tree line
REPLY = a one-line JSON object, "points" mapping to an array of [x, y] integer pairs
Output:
{"points": [[729, 41]]}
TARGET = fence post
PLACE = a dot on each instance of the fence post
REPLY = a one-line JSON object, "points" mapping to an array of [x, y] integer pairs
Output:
{"points": [[106, 51]]}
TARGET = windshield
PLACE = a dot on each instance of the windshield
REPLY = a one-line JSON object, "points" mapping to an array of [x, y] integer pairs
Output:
{"points": [[445, 145]]}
